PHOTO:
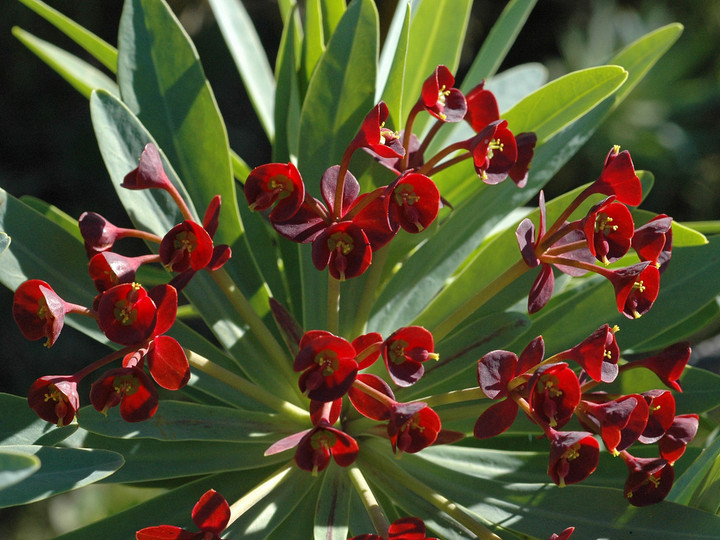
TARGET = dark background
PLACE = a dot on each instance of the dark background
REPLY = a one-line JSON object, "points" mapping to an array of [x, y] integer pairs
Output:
{"points": [[48, 150]]}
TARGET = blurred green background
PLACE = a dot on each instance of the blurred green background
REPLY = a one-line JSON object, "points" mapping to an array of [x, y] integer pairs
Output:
{"points": [[47, 147]]}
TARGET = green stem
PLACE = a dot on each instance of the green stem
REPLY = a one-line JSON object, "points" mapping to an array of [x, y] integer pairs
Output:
{"points": [[392, 471], [473, 303], [276, 353], [333, 305], [456, 396], [374, 509], [247, 388], [255, 495]]}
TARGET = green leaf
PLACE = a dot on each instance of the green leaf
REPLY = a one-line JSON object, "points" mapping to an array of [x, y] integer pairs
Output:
{"points": [[250, 58], [700, 483], [642, 54], [313, 44], [332, 511], [183, 421], [340, 93], [287, 95], [391, 82], [332, 12], [437, 32], [54, 214], [16, 467], [562, 101], [102, 51], [4, 243], [81, 75], [61, 470], [22, 426], [498, 42]]}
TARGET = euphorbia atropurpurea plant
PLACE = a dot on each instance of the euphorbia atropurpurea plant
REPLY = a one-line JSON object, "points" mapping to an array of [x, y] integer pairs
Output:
{"points": [[437, 362]]}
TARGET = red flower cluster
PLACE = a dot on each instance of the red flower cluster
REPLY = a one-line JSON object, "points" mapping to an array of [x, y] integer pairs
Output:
{"points": [[125, 311], [605, 234], [551, 394]]}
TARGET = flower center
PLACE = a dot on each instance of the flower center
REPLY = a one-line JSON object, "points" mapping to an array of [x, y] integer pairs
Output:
{"points": [[126, 385], [328, 361], [341, 242]]}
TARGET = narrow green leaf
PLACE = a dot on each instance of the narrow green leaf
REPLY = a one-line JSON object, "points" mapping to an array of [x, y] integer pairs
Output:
{"points": [[250, 58], [340, 93], [437, 32], [102, 51], [313, 44], [393, 90], [183, 421], [61, 470], [4, 242], [15, 467], [700, 478], [54, 214], [641, 55], [562, 101], [332, 12], [81, 75], [332, 511], [498, 42], [287, 95]]}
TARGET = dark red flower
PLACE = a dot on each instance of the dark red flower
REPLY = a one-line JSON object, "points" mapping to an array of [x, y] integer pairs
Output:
{"points": [[99, 234], [440, 99], [374, 136], [494, 371], [108, 269], [149, 172], [653, 241], [482, 107], [608, 229], [126, 314], [618, 178], [168, 363], [404, 353], [525, 143], [553, 394], [414, 202], [54, 398], [494, 152], [564, 535], [210, 514], [598, 354], [619, 422], [38, 311], [661, 404], [649, 480], [496, 419], [636, 288], [128, 387], [367, 404], [407, 528], [275, 183], [368, 348], [344, 248], [668, 364], [328, 365], [412, 427], [323, 442], [673, 443], [187, 245], [574, 456]]}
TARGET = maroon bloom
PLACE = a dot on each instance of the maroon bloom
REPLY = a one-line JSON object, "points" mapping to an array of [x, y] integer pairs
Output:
{"points": [[108, 269], [404, 353], [673, 443], [38, 311], [328, 365], [374, 136], [494, 152], [323, 442], [668, 364], [598, 354], [649, 480], [210, 514], [128, 387], [553, 394], [661, 405], [344, 248], [55, 399], [187, 245], [99, 234], [407, 528], [482, 107], [440, 99], [608, 229], [275, 183], [636, 288], [168, 363], [368, 348], [618, 178], [653, 241], [412, 427], [149, 172], [619, 422], [564, 535], [126, 314], [574, 456], [369, 405], [414, 202]]}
